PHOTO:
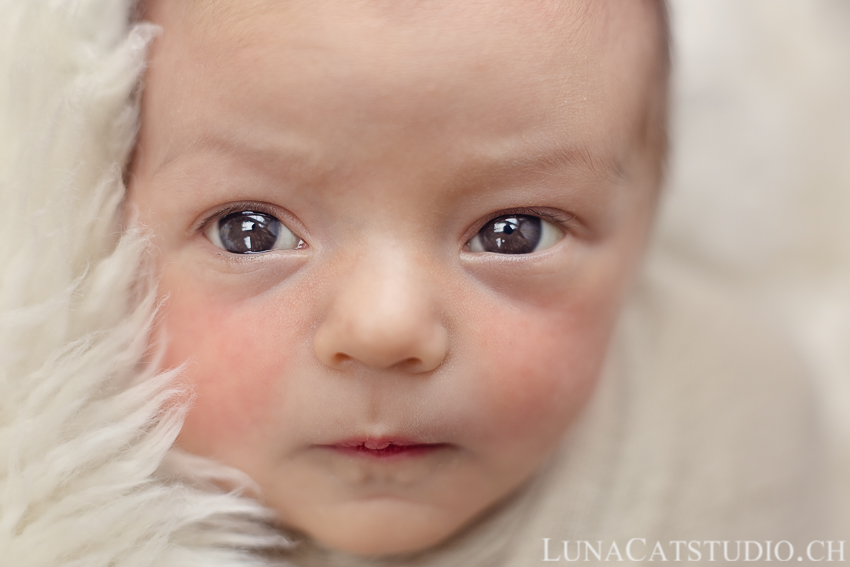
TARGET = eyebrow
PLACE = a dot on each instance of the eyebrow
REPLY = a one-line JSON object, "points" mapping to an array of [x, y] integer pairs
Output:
{"points": [[559, 155], [300, 159], [287, 155], [603, 166]]}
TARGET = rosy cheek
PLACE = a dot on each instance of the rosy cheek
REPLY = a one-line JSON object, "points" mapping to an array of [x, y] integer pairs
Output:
{"points": [[529, 380], [539, 372], [232, 363]]}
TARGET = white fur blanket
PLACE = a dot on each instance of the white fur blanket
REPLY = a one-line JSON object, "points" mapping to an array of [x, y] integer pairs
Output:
{"points": [[82, 424]]}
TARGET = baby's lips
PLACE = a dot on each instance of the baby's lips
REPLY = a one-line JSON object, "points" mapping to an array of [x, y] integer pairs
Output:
{"points": [[385, 447], [378, 443]]}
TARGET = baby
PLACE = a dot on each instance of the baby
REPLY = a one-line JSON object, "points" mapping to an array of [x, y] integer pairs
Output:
{"points": [[394, 238]]}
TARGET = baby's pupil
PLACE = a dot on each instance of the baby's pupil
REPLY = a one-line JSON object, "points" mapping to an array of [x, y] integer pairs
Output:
{"points": [[248, 232], [514, 234]]}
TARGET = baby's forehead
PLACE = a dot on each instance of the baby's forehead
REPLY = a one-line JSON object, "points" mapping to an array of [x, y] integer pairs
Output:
{"points": [[578, 22], [402, 57], [510, 31]]}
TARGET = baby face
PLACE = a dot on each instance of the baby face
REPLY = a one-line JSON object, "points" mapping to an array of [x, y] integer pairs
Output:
{"points": [[393, 238]]}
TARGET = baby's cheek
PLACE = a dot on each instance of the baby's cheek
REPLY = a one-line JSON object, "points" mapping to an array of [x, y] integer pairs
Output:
{"points": [[539, 375], [234, 361]]}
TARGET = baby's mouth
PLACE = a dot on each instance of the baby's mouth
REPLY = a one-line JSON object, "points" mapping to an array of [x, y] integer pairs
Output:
{"points": [[385, 448]]}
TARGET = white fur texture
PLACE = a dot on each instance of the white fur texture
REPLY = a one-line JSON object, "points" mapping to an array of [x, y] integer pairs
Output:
{"points": [[83, 424]]}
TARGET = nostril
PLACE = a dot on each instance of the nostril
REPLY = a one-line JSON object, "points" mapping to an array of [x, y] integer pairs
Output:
{"points": [[410, 365], [340, 359]]}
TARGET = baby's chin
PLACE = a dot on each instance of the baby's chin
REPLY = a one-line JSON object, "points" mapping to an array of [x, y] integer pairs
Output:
{"points": [[381, 527]]}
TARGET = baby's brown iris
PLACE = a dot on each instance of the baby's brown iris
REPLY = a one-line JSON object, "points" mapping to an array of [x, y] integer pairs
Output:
{"points": [[248, 232], [512, 234]]}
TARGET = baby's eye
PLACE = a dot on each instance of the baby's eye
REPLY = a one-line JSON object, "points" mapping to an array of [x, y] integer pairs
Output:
{"points": [[515, 234], [251, 232]]}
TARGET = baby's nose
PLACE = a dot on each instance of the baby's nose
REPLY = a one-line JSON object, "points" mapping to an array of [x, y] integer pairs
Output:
{"points": [[383, 316]]}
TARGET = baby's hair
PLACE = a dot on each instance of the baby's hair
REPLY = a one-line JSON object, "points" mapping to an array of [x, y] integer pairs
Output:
{"points": [[657, 137]]}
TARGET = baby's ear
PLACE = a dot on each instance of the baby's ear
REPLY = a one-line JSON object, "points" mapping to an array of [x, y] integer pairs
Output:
{"points": [[129, 215], [138, 11]]}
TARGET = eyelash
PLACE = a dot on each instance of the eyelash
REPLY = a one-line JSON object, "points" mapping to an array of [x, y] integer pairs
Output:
{"points": [[204, 223], [563, 221]]}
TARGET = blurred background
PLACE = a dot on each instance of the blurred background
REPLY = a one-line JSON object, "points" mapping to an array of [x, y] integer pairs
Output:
{"points": [[758, 193]]}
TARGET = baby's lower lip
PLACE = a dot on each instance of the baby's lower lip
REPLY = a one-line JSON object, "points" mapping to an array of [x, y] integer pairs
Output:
{"points": [[385, 449]]}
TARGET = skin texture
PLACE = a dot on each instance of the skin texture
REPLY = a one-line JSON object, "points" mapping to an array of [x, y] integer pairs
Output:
{"points": [[384, 134]]}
